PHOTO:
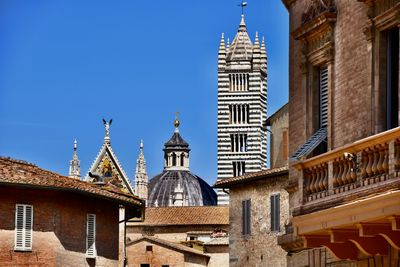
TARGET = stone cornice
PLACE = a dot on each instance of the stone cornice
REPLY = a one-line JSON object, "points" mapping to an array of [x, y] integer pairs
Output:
{"points": [[318, 25], [388, 19]]}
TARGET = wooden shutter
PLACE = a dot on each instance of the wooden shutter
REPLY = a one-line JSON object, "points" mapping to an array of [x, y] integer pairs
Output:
{"points": [[275, 212], [246, 217], [91, 236], [23, 227], [323, 94]]}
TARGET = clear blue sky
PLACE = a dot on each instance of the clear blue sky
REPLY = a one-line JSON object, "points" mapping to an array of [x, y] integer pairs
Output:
{"points": [[64, 65]]}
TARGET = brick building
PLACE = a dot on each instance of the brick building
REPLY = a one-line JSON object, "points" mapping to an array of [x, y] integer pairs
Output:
{"points": [[179, 236], [344, 136], [51, 220]]}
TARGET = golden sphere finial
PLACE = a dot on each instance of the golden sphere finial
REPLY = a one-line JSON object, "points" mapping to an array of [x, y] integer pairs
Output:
{"points": [[176, 121]]}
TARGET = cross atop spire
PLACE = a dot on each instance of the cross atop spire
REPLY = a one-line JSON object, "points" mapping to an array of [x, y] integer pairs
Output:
{"points": [[107, 128], [243, 5]]}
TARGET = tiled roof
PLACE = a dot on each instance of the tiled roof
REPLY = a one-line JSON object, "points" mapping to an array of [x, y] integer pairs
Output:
{"points": [[241, 47], [20, 173], [264, 174], [176, 141], [202, 215], [175, 246]]}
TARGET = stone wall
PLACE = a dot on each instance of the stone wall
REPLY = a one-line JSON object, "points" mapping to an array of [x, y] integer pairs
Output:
{"points": [[279, 127], [260, 248], [59, 228]]}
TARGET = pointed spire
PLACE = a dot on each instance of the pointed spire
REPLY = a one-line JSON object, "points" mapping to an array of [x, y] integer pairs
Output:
{"points": [[222, 53], [74, 164], [242, 23], [141, 177], [222, 43], [228, 44], [256, 46], [241, 47], [263, 55]]}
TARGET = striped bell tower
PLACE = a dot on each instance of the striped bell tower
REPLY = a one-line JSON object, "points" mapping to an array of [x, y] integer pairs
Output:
{"points": [[242, 107]]}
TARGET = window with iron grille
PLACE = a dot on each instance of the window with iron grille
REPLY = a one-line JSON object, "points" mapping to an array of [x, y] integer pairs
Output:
{"points": [[91, 236], [23, 227]]}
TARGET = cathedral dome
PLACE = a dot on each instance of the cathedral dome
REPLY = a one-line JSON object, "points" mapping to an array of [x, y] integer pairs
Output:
{"points": [[176, 185], [196, 192]]}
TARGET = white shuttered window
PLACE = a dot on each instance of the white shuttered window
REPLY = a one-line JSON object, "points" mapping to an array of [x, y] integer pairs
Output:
{"points": [[91, 236], [23, 227]]}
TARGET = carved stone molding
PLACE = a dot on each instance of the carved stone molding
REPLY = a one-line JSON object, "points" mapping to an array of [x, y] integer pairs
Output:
{"points": [[316, 8], [317, 37]]}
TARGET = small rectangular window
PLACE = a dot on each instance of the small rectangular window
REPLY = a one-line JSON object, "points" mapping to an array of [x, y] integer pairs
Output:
{"points": [[246, 217], [144, 265], [23, 227], [275, 213], [91, 236], [149, 248]]}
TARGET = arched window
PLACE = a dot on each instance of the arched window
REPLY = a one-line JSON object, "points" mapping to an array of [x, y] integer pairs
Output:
{"points": [[183, 159], [173, 159]]}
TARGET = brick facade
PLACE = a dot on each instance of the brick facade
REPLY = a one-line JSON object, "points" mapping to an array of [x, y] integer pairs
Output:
{"points": [[348, 39], [59, 228]]}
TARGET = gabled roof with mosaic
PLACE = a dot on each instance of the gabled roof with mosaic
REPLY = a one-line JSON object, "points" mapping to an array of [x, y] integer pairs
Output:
{"points": [[107, 165]]}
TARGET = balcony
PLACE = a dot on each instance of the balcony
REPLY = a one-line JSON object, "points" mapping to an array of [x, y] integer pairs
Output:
{"points": [[349, 200], [365, 167]]}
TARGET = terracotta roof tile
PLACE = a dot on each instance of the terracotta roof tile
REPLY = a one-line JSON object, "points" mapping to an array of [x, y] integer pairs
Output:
{"points": [[21, 173], [202, 215], [225, 183]]}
